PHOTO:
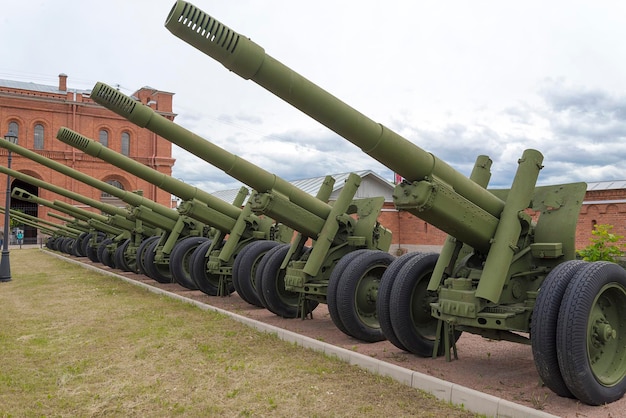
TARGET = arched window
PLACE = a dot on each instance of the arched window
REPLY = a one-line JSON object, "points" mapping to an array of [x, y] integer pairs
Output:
{"points": [[38, 136], [125, 143], [15, 128], [112, 183], [103, 136]]}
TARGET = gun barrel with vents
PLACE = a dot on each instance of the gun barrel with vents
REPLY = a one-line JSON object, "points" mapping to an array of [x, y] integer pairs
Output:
{"points": [[236, 167], [247, 59], [131, 198], [223, 215]]}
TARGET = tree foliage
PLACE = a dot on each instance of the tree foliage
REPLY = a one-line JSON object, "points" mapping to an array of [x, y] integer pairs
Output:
{"points": [[604, 245]]}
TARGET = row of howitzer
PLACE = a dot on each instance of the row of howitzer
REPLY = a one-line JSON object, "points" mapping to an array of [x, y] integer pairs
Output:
{"points": [[507, 270]]}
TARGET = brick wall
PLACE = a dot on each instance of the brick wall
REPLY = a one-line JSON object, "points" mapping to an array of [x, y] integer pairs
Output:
{"points": [[76, 111]]}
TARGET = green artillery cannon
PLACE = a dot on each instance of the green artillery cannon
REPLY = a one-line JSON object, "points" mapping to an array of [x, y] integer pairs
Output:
{"points": [[56, 232], [116, 228], [179, 235], [68, 243], [508, 266], [249, 235], [117, 224], [148, 217], [294, 280], [82, 245]]}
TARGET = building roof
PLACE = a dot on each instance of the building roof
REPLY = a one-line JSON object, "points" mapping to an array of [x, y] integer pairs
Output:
{"points": [[312, 185], [24, 85], [606, 185]]}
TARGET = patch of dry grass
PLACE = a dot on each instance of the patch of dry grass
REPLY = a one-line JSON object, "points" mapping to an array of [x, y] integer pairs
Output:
{"points": [[77, 343]]}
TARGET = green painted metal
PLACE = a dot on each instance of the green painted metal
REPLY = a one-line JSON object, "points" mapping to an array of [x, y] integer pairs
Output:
{"points": [[47, 226], [100, 222], [501, 245], [256, 177], [214, 211], [241, 225], [148, 218], [335, 232], [128, 197]]}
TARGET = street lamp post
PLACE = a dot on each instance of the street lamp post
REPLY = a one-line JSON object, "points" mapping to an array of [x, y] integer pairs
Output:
{"points": [[5, 264]]}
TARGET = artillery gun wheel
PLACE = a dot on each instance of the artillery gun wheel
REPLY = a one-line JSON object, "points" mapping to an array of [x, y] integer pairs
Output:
{"points": [[591, 336], [158, 272], [179, 261], [108, 258], [121, 261], [333, 285], [543, 328], [92, 250], [102, 248], [67, 245], [92, 253], [88, 247], [409, 306], [384, 298], [245, 268], [57, 243], [50, 242], [278, 300], [258, 283], [357, 295], [77, 248], [53, 243], [207, 282], [141, 253]]}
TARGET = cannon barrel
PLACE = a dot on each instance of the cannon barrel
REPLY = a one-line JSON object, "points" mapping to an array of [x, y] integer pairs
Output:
{"points": [[104, 207], [78, 213], [128, 197], [161, 180], [247, 59], [41, 224], [236, 167]]}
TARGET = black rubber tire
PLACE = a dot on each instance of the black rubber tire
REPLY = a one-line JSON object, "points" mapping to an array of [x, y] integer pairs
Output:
{"points": [[54, 243], [108, 258], [92, 253], [207, 282], [120, 259], [245, 269], [333, 284], [102, 248], [66, 245], [543, 326], [278, 300], [384, 298], [77, 248], [87, 243], [50, 243], [141, 253], [157, 273], [179, 261], [258, 282], [592, 362], [357, 295], [409, 308]]}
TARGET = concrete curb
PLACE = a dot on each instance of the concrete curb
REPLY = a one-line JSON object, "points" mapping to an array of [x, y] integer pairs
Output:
{"points": [[470, 399]]}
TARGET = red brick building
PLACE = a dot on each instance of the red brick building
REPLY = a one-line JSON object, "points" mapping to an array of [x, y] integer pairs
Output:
{"points": [[605, 203], [36, 112]]}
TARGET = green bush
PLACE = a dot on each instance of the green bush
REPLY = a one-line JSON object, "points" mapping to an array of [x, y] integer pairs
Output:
{"points": [[603, 245]]}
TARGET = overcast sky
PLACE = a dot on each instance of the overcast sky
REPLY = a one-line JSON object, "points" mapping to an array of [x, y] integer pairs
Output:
{"points": [[458, 78]]}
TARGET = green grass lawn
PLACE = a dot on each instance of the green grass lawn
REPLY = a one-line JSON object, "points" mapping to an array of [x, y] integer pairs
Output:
{"points": [[75, 343]]}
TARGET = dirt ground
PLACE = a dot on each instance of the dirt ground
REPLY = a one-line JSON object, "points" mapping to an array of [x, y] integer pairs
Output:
{"points": [[499, 368]]}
